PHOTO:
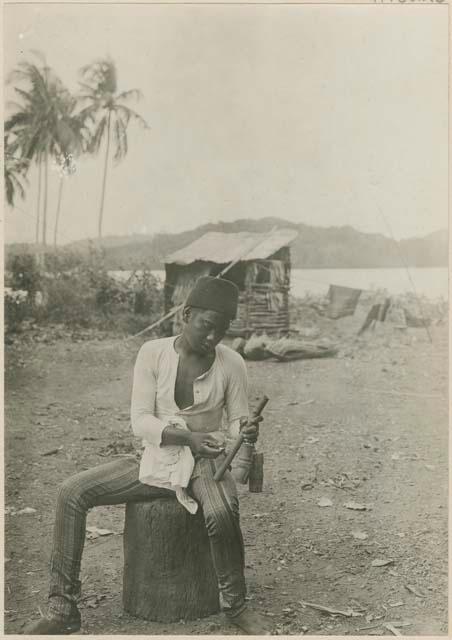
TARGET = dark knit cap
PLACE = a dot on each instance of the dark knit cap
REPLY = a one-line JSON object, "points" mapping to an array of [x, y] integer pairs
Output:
{"points": [[214, 294]]}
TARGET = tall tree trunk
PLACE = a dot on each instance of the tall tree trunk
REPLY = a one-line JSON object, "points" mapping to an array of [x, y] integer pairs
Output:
{"points": [[44, 205], [38, 203], [57, 215], [104, 182]]}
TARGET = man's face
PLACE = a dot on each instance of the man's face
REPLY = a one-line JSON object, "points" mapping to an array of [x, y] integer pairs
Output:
{"points": [[204, 329]]}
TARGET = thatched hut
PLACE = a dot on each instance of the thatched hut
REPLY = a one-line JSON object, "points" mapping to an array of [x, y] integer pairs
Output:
{"points": [[260, 268]]}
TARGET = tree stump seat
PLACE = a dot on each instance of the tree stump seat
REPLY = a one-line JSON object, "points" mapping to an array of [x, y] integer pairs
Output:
{"points": [[168, 569]]}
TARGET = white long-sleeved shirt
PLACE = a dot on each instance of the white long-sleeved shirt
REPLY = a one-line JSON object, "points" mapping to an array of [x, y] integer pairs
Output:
{"points": [[220, 401]]}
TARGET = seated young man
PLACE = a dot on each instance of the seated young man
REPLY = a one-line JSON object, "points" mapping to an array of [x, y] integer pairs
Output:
{"points": [[181, 388]]}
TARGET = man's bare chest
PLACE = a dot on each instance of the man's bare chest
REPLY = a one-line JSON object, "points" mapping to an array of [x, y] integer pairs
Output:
{"points": [[188, 370]]}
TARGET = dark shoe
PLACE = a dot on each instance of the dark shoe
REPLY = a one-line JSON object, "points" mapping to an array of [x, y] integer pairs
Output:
{"points": [[54, 626], [252, 623]]}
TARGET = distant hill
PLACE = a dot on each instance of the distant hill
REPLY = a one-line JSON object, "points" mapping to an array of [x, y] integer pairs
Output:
{"points": [[316, 247]]}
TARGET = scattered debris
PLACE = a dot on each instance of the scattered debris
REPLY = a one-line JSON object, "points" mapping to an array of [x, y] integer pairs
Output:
{"points": [[413, 590], [25, 512], [324, 502], [390, 627], [288, 349], [95, 532], [52, 452], [396, 604], [118, 447], [393, 624], [356, 506], [381, 563], [334, 612], [360, 535], [93, 600]]}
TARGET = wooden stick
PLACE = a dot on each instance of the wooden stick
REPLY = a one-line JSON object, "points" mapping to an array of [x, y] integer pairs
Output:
{"points": [[238, 443], [392, 629], [334, 612]]}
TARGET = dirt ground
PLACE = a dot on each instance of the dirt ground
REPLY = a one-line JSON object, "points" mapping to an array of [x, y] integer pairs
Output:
{"points": [[368, 426]]}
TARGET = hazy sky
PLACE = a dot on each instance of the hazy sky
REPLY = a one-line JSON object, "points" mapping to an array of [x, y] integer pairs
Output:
{"points": [[317, 114]]}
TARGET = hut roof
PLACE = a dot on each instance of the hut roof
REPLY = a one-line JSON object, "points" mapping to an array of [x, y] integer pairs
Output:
{"points": [[222, 248]]}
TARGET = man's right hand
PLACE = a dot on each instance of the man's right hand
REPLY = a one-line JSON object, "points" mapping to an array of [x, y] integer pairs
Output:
{"points": [[203, 445]]}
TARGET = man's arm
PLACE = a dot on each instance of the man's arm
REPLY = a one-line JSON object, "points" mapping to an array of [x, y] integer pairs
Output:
{"points": [[144, 423], [202, 445], [236, 401]]}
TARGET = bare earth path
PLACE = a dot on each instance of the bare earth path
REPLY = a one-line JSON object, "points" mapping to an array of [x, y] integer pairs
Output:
{"points": [[368, 427]]}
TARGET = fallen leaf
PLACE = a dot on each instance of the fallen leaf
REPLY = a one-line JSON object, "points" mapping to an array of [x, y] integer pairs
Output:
{"points": [[390, 627], [381, 563], [412, 589], [95, 532], [26, 511], [324, 502], [52, 452], [356, 506], [349, 613], [359, 535]]}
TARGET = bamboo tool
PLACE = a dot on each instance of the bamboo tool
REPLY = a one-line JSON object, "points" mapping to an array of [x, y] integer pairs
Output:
{"points": [[238, 443], [256, 479]]}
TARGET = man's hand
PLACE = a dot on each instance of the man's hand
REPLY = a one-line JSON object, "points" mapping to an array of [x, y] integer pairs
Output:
{"points": [[250, 429], [203, 445]]}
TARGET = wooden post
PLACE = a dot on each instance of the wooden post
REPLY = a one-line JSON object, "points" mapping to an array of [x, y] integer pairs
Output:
{"points": [[168, 570]]}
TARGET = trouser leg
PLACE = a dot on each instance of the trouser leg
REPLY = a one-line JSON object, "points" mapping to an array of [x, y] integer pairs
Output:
{"points": [[112, 483], [220, 506]]}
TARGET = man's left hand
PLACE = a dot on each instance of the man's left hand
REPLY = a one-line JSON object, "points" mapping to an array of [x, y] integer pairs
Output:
{"points": [[251, 428]]}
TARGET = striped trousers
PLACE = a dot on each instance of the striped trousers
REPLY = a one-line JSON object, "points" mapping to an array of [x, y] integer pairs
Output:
{"points": [[117, 483]]}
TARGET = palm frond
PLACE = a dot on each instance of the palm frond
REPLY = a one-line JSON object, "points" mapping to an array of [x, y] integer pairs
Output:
{"points": [[129, 114], [120, 139], [97, 137], [131, 94]]}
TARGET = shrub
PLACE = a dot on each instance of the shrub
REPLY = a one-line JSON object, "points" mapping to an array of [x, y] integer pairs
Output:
{"points": [[25, 274], [77, 291], [17, 308]]}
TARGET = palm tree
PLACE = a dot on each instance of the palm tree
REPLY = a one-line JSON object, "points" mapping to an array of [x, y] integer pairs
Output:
{"points": [[104, 107], [15, 169], [42, 123], [71, 137], [66, 168]]}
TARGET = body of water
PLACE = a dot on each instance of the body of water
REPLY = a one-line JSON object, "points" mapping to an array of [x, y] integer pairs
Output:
{"points": [[429, 281]]}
